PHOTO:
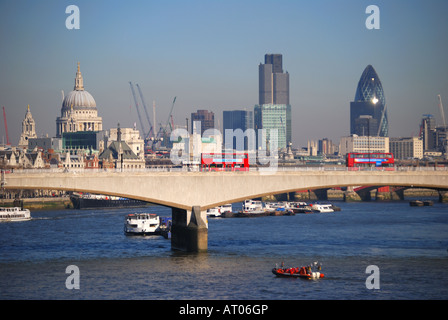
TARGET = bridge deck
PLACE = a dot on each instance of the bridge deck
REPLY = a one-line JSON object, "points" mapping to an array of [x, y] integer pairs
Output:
{"points": [[183, 189]]}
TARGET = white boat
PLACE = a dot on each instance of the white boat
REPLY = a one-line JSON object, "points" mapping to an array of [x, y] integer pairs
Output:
{"points": [[142, 224], [301, 207], [272, 206], [218, 211], [226, 208], [14, 214], [319, 207], [214, 212], [252, 206]]}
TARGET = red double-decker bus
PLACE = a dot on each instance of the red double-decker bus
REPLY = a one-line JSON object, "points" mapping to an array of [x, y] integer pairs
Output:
{"points": [[362, 160], [224, 162]]}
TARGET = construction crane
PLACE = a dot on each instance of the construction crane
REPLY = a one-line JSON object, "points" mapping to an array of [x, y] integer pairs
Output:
{"points": [[146, 112], [170, 117], [441, 111], [137, 107], [6, 127], [163, 130]]}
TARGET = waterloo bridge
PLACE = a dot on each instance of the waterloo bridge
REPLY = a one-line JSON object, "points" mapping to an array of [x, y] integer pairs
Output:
{"points": [[190, 194]]}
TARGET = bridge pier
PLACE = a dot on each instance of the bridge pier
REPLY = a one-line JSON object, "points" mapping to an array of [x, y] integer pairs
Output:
{"points": [[351, 195], [443, 196], [364, 195], [189, 231]]}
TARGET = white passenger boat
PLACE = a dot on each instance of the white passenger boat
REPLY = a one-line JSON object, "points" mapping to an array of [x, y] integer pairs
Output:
{"points": [[218, 211], [10, 214], [142, 224], [252, 206], [213, 212], [272, 206], [319, 207], [226, 208]]}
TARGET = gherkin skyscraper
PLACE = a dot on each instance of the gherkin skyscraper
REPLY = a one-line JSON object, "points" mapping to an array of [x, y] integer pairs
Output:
{"points": [[368, 114]]}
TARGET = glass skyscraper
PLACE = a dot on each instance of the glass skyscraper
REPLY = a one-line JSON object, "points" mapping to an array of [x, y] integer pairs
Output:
{"points": [[237, 119], [274, 117], [368, 113], [273, 110]]}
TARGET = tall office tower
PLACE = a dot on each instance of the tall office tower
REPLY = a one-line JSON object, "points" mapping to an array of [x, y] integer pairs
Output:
{"points": [[428, 132], [207, 119], [368, 114], [273, 82], [238, 119], [273, 110]]}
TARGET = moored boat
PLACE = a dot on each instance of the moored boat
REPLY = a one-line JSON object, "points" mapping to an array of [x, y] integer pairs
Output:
{"points": [[416, 203], [213, 212], [250, 214], [12, 214], [421, 203], [321, 207], [301, 207], [88, 201], [219, 211], [252, 208], [279, 208]]}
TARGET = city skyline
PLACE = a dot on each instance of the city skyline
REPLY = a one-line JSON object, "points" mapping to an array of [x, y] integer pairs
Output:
{"points": [[206, 53]]}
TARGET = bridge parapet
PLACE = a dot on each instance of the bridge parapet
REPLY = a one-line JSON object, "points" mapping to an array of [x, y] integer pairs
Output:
{"points": [[264, 170]]}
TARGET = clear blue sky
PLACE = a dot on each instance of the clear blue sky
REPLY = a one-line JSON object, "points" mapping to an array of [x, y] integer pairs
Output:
{"points": [[207, 54]]}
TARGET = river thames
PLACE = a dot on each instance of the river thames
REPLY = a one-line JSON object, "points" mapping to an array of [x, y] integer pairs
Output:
{"points": [[407, 244]]}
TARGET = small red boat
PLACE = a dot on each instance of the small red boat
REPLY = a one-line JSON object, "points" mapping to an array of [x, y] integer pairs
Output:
{"points": [[302, 272]]}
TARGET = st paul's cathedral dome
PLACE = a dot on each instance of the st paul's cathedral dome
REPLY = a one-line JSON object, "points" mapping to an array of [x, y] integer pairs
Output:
{"points": [[78, 112]]}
